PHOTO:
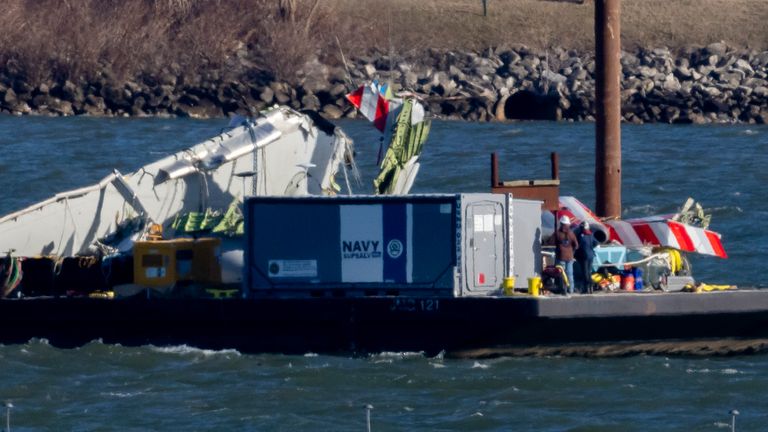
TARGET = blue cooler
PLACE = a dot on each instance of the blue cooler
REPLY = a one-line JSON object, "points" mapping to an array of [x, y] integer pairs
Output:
{"points": [[615, 255]]}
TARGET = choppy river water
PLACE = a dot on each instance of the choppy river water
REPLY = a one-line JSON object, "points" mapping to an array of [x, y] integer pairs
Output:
{"points": [[101, 387]]}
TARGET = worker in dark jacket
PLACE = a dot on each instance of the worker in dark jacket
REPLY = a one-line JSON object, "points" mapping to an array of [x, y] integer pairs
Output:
{"points": [[585, 254], [565, 245]]}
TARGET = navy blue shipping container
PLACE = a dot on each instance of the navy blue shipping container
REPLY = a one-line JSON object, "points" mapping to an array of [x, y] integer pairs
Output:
{"points": [[375, 245]]}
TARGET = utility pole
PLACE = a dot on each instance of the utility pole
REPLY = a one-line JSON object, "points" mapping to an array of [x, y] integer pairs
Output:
{"points": [[608, 108], [485, 8]]}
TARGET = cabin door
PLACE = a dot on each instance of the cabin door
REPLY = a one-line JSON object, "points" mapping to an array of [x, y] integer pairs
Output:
{"points": [[484, 246]]}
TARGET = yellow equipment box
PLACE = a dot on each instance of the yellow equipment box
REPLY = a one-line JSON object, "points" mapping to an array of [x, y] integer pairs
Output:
{"points": [[162, 263], [154, 263]]}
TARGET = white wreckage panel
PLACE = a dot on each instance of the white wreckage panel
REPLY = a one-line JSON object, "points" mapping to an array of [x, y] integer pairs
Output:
{"points": [[280, 153]]}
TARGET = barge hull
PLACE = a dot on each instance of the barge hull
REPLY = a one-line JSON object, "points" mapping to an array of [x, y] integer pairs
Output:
{"points": [[360, 326]]}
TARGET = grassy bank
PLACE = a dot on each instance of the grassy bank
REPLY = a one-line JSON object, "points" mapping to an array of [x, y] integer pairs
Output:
{"points": [[455, 24], [83, 38]]}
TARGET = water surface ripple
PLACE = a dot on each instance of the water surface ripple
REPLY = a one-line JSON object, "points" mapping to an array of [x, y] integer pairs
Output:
{"points": [[107, 387]]}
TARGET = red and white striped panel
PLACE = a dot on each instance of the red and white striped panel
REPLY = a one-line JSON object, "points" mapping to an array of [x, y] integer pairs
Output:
{"points": [[669, 234], [653, 230], [577, 211]]}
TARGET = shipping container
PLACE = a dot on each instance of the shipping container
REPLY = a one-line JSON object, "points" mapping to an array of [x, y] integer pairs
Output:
{"points": [[446, 245]]}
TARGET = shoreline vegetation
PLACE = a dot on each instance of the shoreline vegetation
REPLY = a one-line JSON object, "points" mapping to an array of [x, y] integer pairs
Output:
{"points": [[687, 61]]}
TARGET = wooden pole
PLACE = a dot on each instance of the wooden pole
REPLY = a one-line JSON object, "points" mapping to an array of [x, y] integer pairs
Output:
{"points": [[485, 8], [608, 108], [494, 170], [554, 160]]}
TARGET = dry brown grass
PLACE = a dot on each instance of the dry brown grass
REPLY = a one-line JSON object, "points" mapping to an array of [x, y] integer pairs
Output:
{"points": [[459, 24], [70, 38], [82, 38]]}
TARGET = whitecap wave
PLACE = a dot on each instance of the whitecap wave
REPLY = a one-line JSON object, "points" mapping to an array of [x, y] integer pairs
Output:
{"points": [[34, 342], [121, 395], [189, 350], [398, 355]]}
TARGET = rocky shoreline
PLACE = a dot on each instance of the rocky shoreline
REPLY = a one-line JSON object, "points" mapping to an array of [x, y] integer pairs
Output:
{"points": [[696, 85]]}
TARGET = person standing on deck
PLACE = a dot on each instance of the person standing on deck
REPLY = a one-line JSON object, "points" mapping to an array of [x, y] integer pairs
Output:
{"points": [[585, 254], [565, 245]]}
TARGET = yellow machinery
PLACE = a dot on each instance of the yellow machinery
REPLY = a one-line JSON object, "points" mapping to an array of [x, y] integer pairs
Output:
{"points": [[163, 263]]}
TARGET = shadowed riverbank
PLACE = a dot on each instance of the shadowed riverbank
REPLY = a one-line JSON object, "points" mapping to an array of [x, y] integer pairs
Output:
{"points": [[691, 63]]}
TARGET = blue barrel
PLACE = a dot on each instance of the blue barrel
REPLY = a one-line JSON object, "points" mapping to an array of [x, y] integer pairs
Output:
{"points": [[638, 278]]}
